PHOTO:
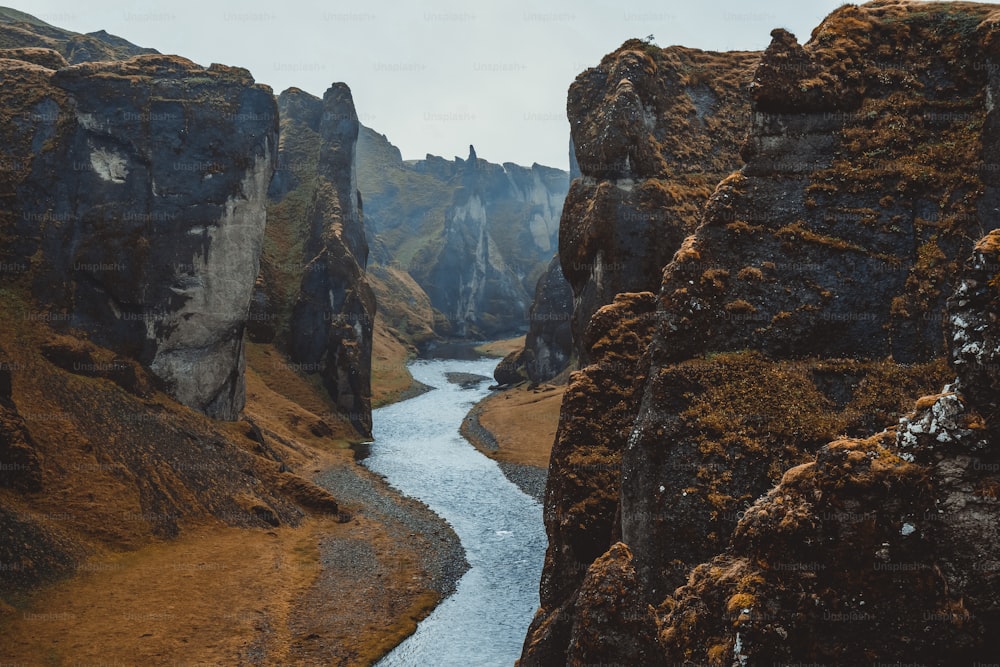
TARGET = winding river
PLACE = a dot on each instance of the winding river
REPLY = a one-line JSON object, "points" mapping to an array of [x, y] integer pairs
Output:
{"points": [[418, 449]]}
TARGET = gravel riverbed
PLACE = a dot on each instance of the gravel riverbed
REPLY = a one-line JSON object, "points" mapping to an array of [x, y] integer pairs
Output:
{"points": [[361, 491]]}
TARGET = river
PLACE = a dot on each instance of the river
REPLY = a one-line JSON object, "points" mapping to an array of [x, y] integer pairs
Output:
{"points": [[418, 449]]}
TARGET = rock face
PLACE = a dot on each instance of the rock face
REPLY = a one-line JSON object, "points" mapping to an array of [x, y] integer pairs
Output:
{"points": [[803, 254], [475, 236], [623, 220], [136, 221], [804, 314], [130, 237], [653, 131], [548, 347], [326, 326], [882, 548]]}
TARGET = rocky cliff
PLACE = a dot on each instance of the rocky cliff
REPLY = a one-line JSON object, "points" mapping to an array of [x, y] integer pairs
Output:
{"points": [[20, 30], [130, 217], [653, 131], [548, 345], [134, 216], [314, 282], [625, 216], [475, 236], [806, 309]]}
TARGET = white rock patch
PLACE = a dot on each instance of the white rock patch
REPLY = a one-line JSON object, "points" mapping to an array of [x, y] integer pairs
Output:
{"points": [[110, 166]]}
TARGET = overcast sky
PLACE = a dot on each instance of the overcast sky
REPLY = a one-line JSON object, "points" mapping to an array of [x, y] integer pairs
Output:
{"points": [[435, 76]]}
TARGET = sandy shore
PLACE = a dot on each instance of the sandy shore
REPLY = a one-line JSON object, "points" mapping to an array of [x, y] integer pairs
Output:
{"points": [[516, 427]]}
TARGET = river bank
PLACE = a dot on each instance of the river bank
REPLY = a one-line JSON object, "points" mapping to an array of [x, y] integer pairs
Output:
{"points": [[516, 427], [325, 589]]}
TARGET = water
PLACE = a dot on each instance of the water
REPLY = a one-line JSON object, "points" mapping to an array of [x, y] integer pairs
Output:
{"points": [[418, 449]]}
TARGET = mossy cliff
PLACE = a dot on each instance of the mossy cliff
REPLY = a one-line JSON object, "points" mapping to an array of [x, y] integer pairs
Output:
{"points": [[627, 213], [807, 308], [652, 131], [314, 300]]}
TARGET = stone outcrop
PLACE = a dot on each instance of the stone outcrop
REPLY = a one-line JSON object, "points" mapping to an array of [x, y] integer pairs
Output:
{"points": [[653, 131], [130, 236], [882, 548], [623, 220], [326, 326], [808, 309], [803, 254], [476, 236], [548, 346], [134, 221], [583, 488]]}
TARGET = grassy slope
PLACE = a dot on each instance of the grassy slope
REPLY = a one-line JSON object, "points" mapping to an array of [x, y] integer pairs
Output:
{"points": [[216, 593], [501, 348], [523, 422]]}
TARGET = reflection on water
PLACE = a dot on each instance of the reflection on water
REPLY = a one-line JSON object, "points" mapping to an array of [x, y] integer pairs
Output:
{"points": [[417, 447]]}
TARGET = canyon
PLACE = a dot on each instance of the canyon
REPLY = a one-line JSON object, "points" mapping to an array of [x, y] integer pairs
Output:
{"points": [[763, 302], [473, 235]]}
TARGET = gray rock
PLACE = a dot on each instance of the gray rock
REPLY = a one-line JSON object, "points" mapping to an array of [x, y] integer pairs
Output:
{"points": [[332, 319], [146, 200], [548, 347]]}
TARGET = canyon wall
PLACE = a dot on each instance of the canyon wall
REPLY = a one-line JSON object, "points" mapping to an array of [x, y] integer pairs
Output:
{"points": [[313, 282], [641, 191], [135, 194], [757, 518], [475, 236], [130, 216]]}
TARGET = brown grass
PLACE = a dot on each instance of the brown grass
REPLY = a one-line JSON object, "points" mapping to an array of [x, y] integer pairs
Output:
{"points": [[501, 348], [390, 377], [204, 597], [523, 421], [224, 596], [214, 594]]}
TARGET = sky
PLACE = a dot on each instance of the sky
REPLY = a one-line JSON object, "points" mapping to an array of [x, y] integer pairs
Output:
{"points": [[435, 77]]}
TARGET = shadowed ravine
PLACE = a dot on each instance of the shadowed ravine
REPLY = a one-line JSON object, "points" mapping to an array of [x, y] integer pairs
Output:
{"points": [[417, 447]]}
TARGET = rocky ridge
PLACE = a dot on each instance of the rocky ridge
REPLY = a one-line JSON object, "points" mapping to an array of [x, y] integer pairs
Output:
{"points": [[316, 240], [804, 314], [475, 236]]}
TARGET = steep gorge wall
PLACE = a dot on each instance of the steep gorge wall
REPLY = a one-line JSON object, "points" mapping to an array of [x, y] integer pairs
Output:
{"points": [[130, 216], [314, 291], [808, 305], [653, 131], [475, 236], [134, 210]]}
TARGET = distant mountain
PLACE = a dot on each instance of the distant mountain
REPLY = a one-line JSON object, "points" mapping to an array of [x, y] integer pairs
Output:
{"points": [[474, 235]]}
